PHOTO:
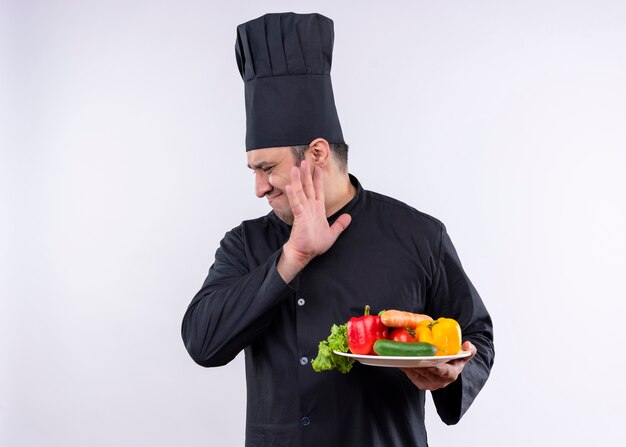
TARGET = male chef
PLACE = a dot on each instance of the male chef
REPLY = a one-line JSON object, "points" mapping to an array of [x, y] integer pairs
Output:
{"points": [[326, 249]]}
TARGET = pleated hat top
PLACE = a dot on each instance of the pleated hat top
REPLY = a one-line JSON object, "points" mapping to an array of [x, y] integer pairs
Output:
{"points": [[285, 60]]}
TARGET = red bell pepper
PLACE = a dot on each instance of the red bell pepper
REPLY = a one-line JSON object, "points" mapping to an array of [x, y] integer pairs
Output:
{"points": [[364, 331]]}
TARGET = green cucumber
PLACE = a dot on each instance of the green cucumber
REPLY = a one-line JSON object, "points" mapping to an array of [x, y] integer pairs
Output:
{"points": [[404, 348]]}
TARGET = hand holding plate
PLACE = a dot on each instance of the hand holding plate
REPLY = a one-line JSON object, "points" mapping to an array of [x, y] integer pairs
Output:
{"points": [[442, 375]]}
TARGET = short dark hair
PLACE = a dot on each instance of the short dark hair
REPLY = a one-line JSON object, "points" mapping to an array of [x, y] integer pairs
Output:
{"points": [[339, 151]]}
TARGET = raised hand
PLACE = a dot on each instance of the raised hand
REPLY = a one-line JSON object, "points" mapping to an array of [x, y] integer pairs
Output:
{"points": [[310, 234]]}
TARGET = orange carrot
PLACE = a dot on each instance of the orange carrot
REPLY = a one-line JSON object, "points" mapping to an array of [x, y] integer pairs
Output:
{"points": [[399, 318]]}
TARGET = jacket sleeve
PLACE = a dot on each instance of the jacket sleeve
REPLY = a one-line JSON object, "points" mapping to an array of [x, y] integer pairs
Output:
{"points": [[453, 295], [233, 306]]}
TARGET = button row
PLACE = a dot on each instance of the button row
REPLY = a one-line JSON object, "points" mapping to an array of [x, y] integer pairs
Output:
{"points": [[303, 361]]}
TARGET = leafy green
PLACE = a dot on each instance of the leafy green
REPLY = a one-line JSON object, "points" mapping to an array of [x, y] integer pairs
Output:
{"points": [[326, 359]]}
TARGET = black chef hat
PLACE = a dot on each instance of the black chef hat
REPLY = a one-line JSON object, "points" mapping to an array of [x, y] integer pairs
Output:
{"points": [[284, 60]]}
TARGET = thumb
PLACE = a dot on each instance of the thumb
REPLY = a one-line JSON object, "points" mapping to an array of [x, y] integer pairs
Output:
{"points": [[340, 224]]}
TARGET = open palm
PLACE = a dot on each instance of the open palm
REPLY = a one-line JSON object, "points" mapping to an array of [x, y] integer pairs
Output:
{"points": [[310, 234]]}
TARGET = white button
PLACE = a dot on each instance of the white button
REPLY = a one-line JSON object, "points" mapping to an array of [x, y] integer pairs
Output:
{"points": [[301, 302], [304, 361]]}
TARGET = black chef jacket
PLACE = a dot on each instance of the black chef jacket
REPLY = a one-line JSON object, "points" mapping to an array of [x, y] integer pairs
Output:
{"points": [[391, 256]]}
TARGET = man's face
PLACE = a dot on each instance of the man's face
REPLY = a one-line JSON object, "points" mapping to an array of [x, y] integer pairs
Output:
{"points": [[272, 171]]}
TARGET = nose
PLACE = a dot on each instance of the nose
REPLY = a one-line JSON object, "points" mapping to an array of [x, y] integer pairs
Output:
{"points": [[262, 184]]}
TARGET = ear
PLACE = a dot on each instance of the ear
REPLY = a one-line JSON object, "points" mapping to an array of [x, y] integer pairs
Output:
{"points": [[319, 151]]}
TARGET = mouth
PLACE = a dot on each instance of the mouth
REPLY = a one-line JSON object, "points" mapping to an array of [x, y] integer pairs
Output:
{"points": [[270, 199]]}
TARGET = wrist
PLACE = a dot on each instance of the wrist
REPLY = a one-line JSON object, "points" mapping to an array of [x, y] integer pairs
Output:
{"points": [[291, 262], [296, 257]]}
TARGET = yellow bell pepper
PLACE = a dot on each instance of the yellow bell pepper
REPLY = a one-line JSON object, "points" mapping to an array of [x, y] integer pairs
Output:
{"points": [[444, 333]]}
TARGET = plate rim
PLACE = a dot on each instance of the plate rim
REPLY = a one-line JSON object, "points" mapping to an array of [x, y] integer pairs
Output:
{"points": [[439, 358]]}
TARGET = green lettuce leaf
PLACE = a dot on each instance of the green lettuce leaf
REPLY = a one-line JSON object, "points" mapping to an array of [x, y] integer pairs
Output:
{"points": [[326, 359]]}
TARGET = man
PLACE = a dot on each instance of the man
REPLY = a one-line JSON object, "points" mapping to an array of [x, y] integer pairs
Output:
{"points": [[327, 249]]}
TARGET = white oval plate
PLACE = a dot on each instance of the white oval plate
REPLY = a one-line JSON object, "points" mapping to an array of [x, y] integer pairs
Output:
{"points": [[403, 362]]}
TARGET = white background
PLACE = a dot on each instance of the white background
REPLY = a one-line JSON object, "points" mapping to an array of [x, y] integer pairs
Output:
{"points": [[123, 164]]}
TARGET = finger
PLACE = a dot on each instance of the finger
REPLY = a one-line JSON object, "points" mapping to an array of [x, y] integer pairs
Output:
{"points": [[421, 379], [294, 201], [438, 371], [340, 224], [468, 346], [296, 185], [418, 372], [318, 183], [415, 375], [307, 180], [432, 384]]}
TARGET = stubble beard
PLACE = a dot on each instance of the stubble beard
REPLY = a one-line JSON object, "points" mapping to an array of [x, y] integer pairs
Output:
{"points": [[284, 214]]}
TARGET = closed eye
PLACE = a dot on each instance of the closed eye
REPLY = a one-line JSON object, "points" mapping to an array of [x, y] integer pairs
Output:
{"points": [[263, 166]]}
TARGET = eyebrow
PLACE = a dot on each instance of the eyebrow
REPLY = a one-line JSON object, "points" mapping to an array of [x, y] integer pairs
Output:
{"points": [[260, 165]]}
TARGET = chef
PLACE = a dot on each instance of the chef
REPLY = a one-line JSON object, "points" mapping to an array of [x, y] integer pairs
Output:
{"points": [[326, 249]]}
